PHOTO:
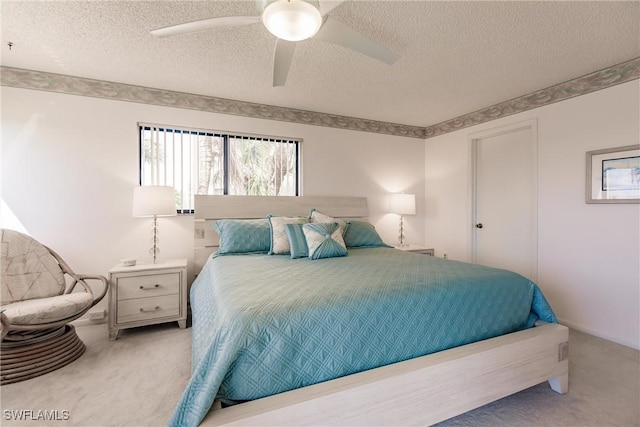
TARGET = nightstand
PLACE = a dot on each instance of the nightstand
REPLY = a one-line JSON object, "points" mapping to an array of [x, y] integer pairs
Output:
{"points": [[146, 294], [417, 249]]}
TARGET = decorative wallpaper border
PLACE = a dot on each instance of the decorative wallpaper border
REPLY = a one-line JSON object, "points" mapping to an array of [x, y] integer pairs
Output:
{"points": [[37, 80], [602, 79]]}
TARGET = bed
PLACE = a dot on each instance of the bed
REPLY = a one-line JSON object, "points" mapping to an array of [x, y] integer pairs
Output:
{"points": [[378, 336]]}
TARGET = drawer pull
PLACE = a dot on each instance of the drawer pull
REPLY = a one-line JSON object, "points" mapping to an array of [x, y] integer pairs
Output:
{"points": [[148, 310], [154, 287]]}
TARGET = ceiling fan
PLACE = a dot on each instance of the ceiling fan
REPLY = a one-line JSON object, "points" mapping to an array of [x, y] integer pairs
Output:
{"points": [[292, 21]]}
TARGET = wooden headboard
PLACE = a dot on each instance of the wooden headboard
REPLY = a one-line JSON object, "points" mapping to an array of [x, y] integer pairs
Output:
{"points": [[211, 208]]}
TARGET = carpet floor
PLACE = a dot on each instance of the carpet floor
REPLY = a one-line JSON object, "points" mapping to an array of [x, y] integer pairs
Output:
{"points": [[138, 379]]}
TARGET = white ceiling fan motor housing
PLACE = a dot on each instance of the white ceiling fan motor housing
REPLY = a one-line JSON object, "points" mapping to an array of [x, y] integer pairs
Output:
{"points": [[292, 20]]}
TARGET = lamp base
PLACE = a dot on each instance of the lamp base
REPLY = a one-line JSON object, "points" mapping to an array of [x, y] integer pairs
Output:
{"points": [[154, 251], [401, 242]]}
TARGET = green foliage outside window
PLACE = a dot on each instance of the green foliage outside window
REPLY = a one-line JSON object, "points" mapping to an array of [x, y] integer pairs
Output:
{"points": [[205, 162]]}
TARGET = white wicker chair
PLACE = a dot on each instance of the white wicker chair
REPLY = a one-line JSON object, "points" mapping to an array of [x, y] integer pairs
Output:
{"points": [[37, 305]]}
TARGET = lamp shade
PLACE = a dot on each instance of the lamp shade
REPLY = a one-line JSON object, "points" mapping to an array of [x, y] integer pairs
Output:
{"points": [[292, 20], [403, 204], [153, 200]]}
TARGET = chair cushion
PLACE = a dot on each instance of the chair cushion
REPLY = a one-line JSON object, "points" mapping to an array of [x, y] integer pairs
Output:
{"points": [[46, 310], [28, 269]]}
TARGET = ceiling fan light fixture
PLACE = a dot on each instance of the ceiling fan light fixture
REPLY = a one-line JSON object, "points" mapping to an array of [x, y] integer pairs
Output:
{"points": [[292, 20]]}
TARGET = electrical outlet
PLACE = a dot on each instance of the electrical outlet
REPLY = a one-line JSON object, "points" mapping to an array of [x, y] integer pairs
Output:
{"points": [[97, 314]]}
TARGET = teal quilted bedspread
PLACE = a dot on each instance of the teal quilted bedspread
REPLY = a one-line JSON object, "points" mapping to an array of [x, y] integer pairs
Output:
{"points": [[264, 324]]}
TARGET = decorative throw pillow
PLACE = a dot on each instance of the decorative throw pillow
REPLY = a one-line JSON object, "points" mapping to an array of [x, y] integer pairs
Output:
{"points": [[297, 241], [243, 235], [324, 240], [361, 234], [316, 216], [279, 239]]}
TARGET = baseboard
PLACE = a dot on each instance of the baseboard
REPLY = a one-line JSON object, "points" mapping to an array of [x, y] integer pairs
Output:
{"points": [[599, 334]]}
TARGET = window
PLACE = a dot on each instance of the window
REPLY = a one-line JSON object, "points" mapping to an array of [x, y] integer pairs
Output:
{"points": [[196, 161]]}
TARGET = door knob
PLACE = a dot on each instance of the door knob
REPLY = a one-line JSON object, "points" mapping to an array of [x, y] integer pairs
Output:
{"points": [[479, 225]]}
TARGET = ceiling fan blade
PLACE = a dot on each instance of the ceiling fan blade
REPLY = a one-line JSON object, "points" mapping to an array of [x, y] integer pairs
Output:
{"points": [[334, 31], [327, 6], [205, 24], [282, 61]]}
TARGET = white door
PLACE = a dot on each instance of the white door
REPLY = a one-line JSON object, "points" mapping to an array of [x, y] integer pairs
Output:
{"points": [[505, 204]]}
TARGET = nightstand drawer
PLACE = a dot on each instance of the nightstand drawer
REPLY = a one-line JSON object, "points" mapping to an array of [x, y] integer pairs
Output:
{"points": [[148, 308], [416, 249], [424, 252], [151, 285]]}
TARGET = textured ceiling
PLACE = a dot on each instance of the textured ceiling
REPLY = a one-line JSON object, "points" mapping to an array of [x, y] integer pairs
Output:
{"points": [[456, 57]]}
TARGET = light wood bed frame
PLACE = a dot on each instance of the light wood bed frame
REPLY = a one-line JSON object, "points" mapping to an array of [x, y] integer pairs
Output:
{"points": [[420, 391]]}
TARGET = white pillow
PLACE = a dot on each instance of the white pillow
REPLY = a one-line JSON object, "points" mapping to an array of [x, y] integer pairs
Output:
{"points": [[323, 218], [279, 238]]}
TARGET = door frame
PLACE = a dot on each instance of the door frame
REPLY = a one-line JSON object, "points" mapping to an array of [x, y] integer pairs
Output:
{"points": [[532, 126]]}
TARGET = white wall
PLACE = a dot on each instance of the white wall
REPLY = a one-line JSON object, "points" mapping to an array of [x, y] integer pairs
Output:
{"points": [[589, 255], [69, 165]]}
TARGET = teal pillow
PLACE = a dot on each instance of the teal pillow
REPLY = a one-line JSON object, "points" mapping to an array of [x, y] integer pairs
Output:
{"points": [[361, 234], [324, 240], [297, 241], [243, 235]]}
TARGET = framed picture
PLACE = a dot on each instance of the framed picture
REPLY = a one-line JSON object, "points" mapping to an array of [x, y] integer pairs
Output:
{"points": [[613, 175]]}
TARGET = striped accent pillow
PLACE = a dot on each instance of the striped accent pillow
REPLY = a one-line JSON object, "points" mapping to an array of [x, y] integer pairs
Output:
{"points": [[279, 239], [297, 241]]}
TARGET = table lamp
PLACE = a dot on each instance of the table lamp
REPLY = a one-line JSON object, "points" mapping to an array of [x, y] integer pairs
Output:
{"points": [[154, 201], [402, 204]]}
